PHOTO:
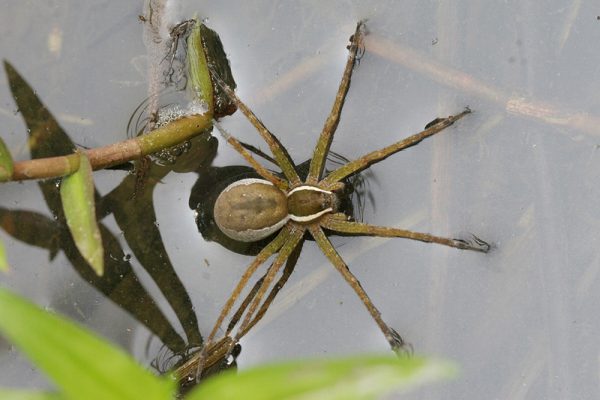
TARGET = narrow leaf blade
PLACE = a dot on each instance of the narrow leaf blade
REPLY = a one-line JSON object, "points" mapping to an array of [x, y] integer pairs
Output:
{"points": [[199, 75], [6, 163], [209, 47], [3, 260], [82, 365], [77, 195], [356, 378]]}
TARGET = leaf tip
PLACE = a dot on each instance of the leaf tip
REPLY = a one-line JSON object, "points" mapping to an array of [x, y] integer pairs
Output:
{"points": [[6, 163], [4, 266], [77, 196]]}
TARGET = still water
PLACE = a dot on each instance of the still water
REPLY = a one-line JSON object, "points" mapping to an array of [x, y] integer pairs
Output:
{"points": [[521, 172]]}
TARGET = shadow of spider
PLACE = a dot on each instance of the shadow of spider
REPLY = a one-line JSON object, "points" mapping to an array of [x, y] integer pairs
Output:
{"points": [[253, 209]]}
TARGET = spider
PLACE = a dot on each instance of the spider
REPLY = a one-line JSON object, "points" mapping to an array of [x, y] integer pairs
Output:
{"points": [[252, 209]]}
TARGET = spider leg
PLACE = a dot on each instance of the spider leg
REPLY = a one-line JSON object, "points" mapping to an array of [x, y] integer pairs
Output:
{"points": [[287, 272], [320, 154], [283, 158], [339, 223], [295, 236], [393, 338], [371, 158], [242, 308], [262, 171], [264, 254], [258, 152], [215, 354]]}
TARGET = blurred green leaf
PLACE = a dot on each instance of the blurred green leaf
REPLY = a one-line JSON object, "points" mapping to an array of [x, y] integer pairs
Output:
{"points": [[81, 364], [363, 377], [77, 195], [3, 259], [6, 163], [15, 394], [119, 282], [84, 366]]}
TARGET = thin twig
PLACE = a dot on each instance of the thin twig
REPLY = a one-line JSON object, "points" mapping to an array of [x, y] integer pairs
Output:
{"points": [[547, 112]]}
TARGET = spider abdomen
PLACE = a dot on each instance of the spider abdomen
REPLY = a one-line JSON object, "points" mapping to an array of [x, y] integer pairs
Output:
{"points": [[250, 209]]}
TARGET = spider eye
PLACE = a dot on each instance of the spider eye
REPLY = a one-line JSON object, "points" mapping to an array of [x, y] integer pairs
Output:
{"points": [[250, 209]]}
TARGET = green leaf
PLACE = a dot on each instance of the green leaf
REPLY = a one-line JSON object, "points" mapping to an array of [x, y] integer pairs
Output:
{"points": [[363, 377], [6, 163], [77, 195], [81, 364], [205, 53], [3, 260], [14, 394], [199, 75]]}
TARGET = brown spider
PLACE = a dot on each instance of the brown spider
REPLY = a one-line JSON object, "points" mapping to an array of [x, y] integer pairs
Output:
{"points": [[252, 209]]}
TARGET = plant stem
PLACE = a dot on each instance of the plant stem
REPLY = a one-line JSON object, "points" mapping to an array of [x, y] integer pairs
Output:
{"points": [[117, 153]]}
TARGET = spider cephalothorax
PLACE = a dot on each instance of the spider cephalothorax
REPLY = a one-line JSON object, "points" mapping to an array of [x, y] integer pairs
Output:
{"points": [[252, 209]]}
